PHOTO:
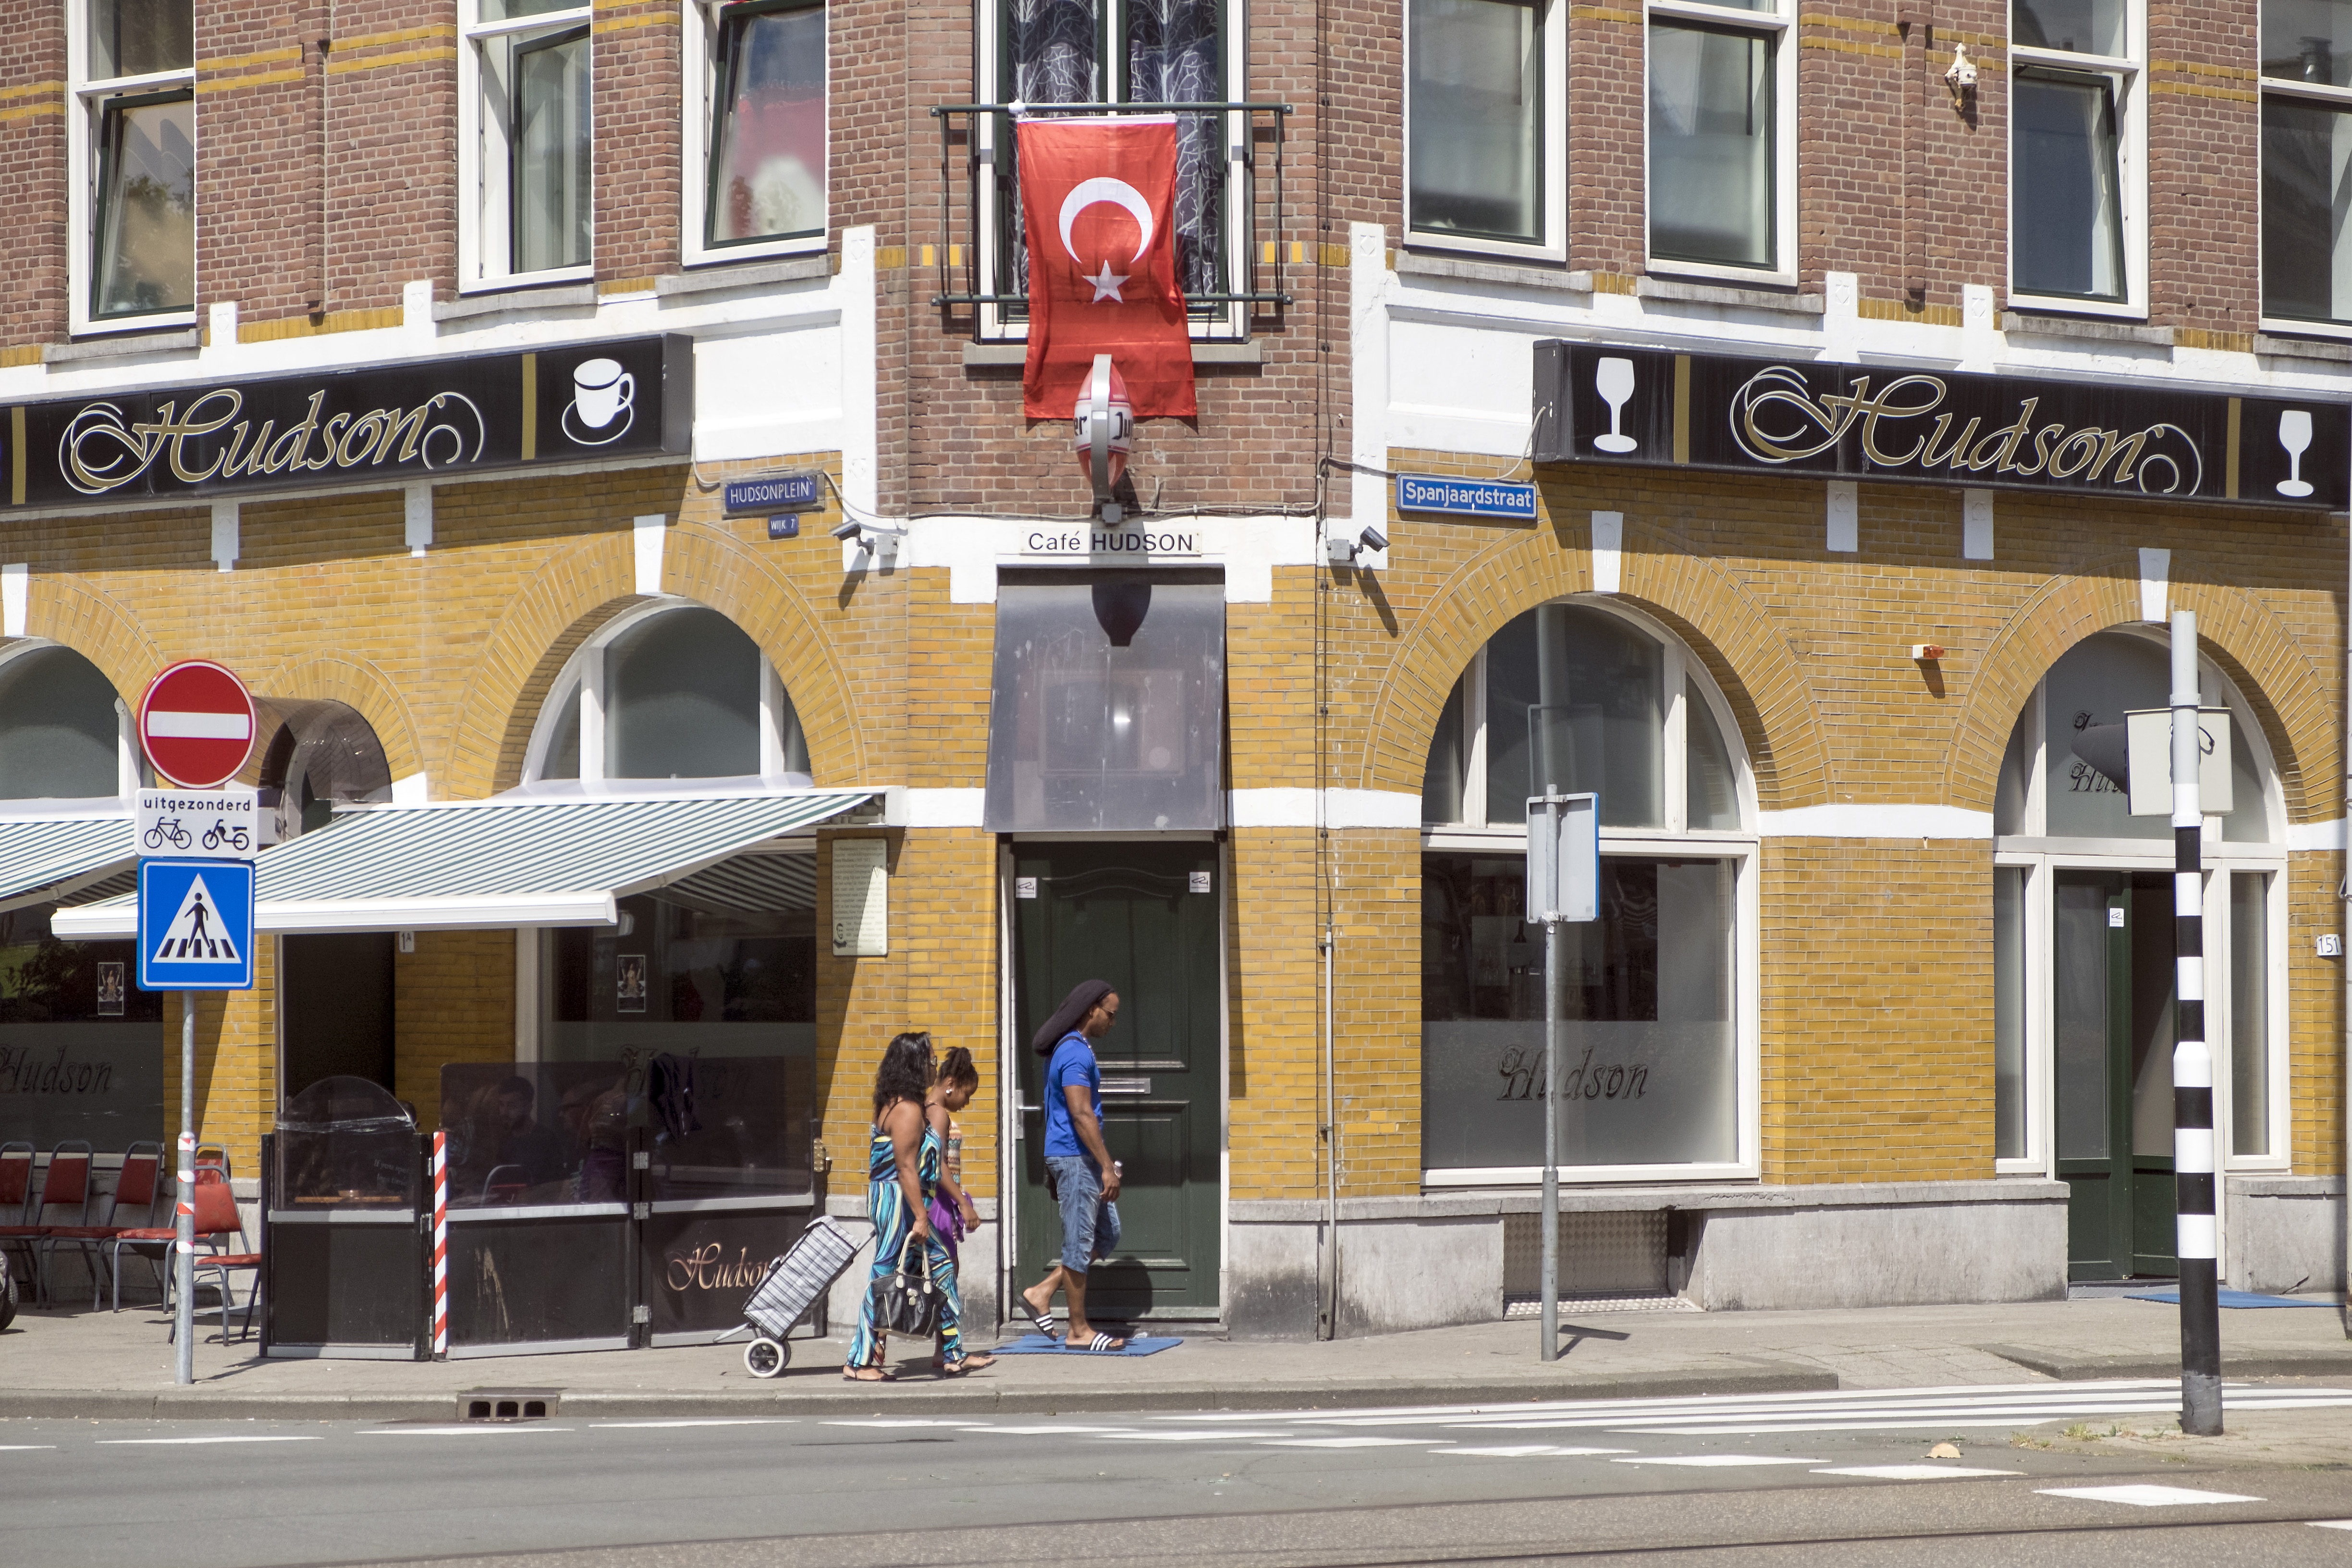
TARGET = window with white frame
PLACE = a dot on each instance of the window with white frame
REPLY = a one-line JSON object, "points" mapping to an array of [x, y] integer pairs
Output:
{"points": [[755, 129], [1658, 1017], [1486, 124], [1044, 52], [64, 733], [2070, 859], [2306, 51], [1722, 148], [2076, 127], [668, 691], [527, 133], [133, 142]]}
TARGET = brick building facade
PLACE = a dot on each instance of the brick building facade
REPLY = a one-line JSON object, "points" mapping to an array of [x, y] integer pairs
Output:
{"points": [[1882, 1049]]}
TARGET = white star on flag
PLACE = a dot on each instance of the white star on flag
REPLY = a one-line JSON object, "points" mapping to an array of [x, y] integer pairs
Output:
{"points": [[1107, 283]]}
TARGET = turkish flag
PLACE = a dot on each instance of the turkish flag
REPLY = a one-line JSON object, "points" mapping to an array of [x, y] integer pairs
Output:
{"points": [[1099, 201]]}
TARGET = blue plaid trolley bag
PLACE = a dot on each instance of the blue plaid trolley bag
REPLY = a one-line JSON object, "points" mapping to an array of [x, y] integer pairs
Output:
{"points": [[792, 1284]]}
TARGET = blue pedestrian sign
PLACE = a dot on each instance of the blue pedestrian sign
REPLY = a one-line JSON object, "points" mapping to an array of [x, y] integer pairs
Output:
{"points": [[195, 925]]}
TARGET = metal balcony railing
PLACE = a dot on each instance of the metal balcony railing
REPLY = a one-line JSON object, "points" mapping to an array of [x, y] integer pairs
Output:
{"points": [[993, 206]]}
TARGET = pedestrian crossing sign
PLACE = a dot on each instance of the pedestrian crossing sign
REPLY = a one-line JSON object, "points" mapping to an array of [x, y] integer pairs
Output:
{"points": [[195, 925]]}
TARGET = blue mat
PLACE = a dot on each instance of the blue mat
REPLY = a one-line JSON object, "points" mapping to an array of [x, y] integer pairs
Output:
{"points": [[2228, 1299], [1046, 1345]]}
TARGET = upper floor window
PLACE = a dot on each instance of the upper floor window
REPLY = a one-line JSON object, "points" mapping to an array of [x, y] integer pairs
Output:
{"points": [[2077, 128], [1485, 110], [527, 132], [1040, 52], [1722, 171], [133, 142], [2306, 146], [756, 147]]}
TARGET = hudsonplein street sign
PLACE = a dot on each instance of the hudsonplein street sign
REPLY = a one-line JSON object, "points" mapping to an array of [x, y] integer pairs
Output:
{"points": [[425, 418], [1601, 403]]}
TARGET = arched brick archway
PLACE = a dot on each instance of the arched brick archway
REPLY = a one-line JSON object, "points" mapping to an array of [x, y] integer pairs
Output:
{"points": [[357, 685], [2289, 696], [1724, 625], [585, 586], [73, 614]]}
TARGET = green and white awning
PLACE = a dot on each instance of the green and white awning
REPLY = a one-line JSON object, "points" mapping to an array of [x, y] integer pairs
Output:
{"points": [[43, 859], [482, 865]]}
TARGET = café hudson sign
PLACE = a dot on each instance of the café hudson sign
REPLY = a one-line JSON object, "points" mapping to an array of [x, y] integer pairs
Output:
{"points": [[1601, 403], [398, 423]]}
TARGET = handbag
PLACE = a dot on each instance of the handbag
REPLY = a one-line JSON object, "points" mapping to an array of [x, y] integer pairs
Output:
{"points": [[906, 1301]]}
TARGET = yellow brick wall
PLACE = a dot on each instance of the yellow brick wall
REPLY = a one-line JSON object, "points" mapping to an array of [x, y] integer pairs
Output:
{"points": [[453, 1001]]}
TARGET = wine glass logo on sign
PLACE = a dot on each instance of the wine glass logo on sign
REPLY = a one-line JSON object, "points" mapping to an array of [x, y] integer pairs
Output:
{"points": [[2295, 435], [1613, 379]]}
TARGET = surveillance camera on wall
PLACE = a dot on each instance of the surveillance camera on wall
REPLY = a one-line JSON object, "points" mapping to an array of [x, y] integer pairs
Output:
{"points": [[847, 528]]}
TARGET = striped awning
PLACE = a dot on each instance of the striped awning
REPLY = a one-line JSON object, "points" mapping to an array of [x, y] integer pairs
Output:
{"points": [[43, 859], [481, 865]]}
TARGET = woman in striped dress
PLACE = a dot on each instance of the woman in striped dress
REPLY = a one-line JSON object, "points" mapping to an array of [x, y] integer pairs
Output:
{"points": [[902, 1170]]}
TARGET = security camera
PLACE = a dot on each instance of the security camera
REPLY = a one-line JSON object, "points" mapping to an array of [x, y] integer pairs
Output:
{"points": [[846, 528], [1373, 538]]}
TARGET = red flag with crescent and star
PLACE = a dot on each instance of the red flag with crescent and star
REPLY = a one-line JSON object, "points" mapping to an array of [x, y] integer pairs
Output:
{"points": [[1098, 202]]}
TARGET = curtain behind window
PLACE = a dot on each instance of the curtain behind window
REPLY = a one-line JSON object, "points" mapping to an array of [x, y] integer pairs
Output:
{"points": [[1711, 146], [1475, 87], [2066, 220], [1174, 56]]}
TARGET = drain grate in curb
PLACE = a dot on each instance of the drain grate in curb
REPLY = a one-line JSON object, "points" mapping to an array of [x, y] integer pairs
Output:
{"points": [[507, 1404], [1518, 1307]]}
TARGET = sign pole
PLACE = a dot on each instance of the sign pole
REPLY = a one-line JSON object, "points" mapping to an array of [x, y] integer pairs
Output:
{"points": [[1551, 1137], [2193, 1064], [184, 1260], [1562, 883]]}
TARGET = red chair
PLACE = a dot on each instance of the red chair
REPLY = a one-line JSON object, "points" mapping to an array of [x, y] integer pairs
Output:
{"points": [[66, 1186], [216, 1216], [20, 1234], [136, 1188]]}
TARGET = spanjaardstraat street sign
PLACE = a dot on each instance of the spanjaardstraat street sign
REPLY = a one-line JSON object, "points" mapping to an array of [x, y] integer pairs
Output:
{"points": [[195, 925]]}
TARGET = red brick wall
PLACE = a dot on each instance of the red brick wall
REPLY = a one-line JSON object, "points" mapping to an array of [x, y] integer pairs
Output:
{"points": [[33, 178]]}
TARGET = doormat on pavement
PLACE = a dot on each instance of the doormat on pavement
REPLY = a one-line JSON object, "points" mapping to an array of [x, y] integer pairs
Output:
{"points": [[2228, 1299], [1046, 1344]]}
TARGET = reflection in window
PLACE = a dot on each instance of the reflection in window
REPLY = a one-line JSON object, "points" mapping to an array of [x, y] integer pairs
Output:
{"points": [[1475, 107], [552, 137], [768, 146], [147, 206], [2307, 41], [1647, 1060], [2250, 1014], [59, 731], [2078, 26], [683, 698], [1710, 781], [2307, 193], [77, 1056], [1591, 686], [2065, 205], [1712, 130], [2009, 1140]]}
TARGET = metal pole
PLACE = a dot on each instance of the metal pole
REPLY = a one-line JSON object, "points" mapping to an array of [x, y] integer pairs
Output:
{"points": [[2192, 1062], [183, 1263], [1551, 1140]]}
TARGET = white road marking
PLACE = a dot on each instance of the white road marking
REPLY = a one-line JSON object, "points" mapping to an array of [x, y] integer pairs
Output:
{"points": [[1348, 1443], [901, 1421], [1625, 1409], [1909, 1472], [2329, 1523], [1712, 1461], [2145, 1496], [1528, 1451], [257, 1437], [472, 1429], [1050, 1431], [1194, 1435], [24, 1448], [697, 1421]]}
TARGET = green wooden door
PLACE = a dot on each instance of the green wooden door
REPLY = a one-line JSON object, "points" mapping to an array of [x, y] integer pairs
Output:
{"points": [[1143, 916], [2113, 1006]]}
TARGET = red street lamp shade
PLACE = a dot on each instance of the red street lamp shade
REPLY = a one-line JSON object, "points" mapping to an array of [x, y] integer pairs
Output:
{"points": [[1115, 409]]}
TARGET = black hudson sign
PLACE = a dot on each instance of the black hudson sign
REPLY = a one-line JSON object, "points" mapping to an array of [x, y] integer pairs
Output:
{"points": [[1598, 403], [429, 418]]}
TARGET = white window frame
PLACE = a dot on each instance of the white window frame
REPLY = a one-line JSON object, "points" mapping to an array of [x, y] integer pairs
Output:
{"points": [[2128, 73], [584, 673], [698, 55], [2312, 92], [989, 132], [1778, 23], [87, 101], [2042, 857], [1680, 670], [1553, 43], [485, 242]]}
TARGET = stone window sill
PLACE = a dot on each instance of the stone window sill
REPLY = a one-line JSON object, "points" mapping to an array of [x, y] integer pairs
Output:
{"points": [[799, 269], [2037, 325], [1727, 294], [123, 346], [568, 296], [1523, 274], [978, 356]]}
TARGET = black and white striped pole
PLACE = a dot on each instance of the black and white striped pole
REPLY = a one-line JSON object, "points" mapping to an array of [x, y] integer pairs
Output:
{"points": [[2192, 1061]]}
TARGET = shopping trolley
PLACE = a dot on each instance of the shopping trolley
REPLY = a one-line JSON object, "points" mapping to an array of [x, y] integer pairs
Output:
{"points": [[791, 1287]]}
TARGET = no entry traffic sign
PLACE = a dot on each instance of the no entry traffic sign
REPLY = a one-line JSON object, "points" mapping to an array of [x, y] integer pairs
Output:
{"points": [[196, 724]]}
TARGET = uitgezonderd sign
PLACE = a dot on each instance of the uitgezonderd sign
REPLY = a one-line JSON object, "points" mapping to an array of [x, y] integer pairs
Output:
{"points": [[427, 418], [1601, 403]]}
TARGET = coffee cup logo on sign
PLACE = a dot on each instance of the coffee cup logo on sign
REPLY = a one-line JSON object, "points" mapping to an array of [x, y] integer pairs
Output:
{"points": [[603, 395]]}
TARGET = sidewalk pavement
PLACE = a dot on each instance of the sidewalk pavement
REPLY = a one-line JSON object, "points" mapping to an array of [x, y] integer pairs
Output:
{"points": [[104, 1365]]}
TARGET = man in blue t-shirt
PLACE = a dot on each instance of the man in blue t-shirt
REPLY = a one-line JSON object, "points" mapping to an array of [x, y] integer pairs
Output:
{"points": [[1085, 1178]]}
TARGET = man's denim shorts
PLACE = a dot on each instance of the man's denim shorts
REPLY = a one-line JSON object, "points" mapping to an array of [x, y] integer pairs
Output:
{"points": [[1090, 1221]]}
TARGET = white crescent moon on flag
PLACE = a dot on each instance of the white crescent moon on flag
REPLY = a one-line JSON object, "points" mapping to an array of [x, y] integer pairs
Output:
{"points": [[1118, 193]]}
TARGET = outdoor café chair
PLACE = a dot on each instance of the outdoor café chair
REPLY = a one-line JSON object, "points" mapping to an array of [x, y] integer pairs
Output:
{"points": [[132, 1203], [161, 1236], [67, 1186], [20, 1232], [216, 1216]]}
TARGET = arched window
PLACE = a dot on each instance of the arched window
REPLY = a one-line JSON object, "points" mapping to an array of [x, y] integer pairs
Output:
{"points": [[2084, 944], [1657, 1014], [669, 692], [63, 734]]}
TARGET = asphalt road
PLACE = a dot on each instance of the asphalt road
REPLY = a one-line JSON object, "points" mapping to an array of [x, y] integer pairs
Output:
{"points": [[1771, 1479]]}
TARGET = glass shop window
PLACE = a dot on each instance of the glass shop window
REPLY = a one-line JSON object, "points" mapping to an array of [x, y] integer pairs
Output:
{"points": [[134, 94]]}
